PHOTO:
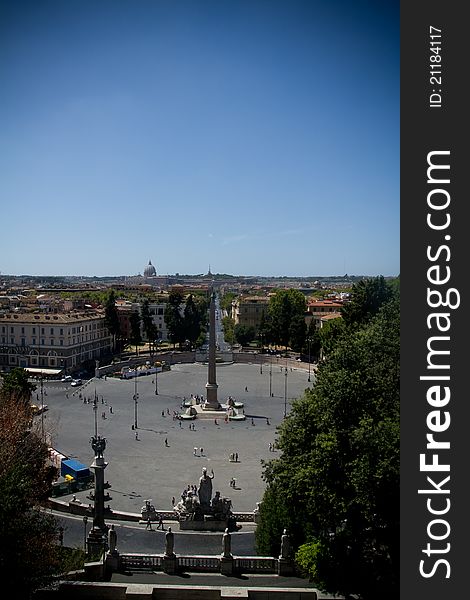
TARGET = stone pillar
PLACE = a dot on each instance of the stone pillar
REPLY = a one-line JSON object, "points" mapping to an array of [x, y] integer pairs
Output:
{"points": [[98, 535], [211, 385]]}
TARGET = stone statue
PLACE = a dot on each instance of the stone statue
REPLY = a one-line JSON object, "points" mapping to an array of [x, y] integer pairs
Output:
{"points": [[112, 540], [205, 488], [285, 545], [227, 544], [98, 444], [170, 542]]}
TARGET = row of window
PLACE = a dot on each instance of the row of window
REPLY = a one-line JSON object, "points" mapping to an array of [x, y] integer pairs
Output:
{"points": [[75, 330]]}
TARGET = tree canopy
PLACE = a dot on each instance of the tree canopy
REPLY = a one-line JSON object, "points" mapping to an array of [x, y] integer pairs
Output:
{"points": [[284, 308], [336, 484], [28, 551]]}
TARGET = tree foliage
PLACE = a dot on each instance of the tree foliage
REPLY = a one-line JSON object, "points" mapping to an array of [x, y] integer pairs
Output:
{"points": [[244, 334], [284, 307], [111, 318], [339, 468], [28, 550], [135, 322]]}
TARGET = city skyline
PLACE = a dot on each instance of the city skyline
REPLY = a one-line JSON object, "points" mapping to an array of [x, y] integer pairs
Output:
{"points": [[261, 138]]}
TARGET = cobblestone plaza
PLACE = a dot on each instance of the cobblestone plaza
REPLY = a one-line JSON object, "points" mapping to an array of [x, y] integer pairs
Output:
{"points": [[168, 454]]}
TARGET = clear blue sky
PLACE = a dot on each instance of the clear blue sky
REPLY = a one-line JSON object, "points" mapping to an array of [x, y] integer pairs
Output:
{"points": [[258, 136]]}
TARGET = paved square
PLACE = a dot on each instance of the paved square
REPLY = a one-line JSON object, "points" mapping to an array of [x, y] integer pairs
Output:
{"points": [[143, 468]]}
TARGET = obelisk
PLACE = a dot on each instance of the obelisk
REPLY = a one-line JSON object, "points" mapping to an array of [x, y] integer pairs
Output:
{"points": [[211, 386]]}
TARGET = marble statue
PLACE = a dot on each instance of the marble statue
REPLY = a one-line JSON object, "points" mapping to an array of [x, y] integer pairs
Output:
{"points": [[227, 544], [285, 545], [205, 488], [169, 542], [112, 540]]}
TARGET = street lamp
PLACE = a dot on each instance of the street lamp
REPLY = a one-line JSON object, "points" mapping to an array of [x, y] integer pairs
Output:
{"points": [[270, 376], [136, 397], [309, 341], [85, 521], [285, 393], [261, 356]]}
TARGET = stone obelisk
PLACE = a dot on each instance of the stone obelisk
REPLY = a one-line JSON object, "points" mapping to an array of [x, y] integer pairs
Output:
{"points": [[211, 385]]}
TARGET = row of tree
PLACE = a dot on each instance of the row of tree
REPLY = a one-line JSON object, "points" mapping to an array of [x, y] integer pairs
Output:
{"points": [[185, 319], [335, 485]]}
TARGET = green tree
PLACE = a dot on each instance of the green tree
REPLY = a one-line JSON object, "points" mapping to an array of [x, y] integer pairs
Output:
{"points": [[174, 318], [244, 334], [111, 318], [17, 386], [228, 324], [148, 325], [297, 332], [367, 296], [338, 471], [135, 322], [226, 302], [283, 307], [29, 552], [191, 320]]}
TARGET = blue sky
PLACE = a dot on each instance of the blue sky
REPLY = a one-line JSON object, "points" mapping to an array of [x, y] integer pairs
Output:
{"points": [[258, 136]]}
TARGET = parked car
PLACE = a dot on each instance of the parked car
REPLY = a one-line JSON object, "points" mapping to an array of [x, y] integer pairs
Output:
{"points": [[76, 382], [67, 378]]}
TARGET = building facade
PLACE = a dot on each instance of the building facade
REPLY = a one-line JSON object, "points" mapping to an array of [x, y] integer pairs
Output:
{"points": [[248, 310], [52, 343]]}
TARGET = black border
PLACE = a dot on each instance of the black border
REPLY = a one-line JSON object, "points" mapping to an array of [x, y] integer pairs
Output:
{"points": [[424, 129]]}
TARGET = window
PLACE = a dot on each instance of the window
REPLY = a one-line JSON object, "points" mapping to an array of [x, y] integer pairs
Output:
{"points": [[12, 340], [61, 331], [34, 330], [11, 330], [4, 340], [23, 342], [22, 331], [52, 342], [33, 341], [52, 330], [42, 331], [61, 342], [3, 329]]}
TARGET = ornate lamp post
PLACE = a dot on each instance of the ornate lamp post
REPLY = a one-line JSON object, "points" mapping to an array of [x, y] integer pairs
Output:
{"points": [[285, 393], [309, 340], [99, 530], [85, 521], [135, 397]]}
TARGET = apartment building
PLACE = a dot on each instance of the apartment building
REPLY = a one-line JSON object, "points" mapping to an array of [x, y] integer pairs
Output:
{"points": [[52, 343], [248, 310]]}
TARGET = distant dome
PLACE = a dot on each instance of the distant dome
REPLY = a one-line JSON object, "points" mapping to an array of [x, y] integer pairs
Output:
{"points": [[149, 270]]}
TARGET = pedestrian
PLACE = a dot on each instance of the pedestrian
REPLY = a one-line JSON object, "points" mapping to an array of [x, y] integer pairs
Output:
{"points": [[136, 436], [195, 451], [252, 421], [267, 421], [149, 524], [163, 413], [246, 388], [166, 442], [236, 456], [201, 451], [111, 409], [160, 524], [173, 501], [181, 425]]}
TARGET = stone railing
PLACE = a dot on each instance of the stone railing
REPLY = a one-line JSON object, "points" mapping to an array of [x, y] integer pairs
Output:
{"points": [[255, 564], [140, 562], [198, 563]]}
